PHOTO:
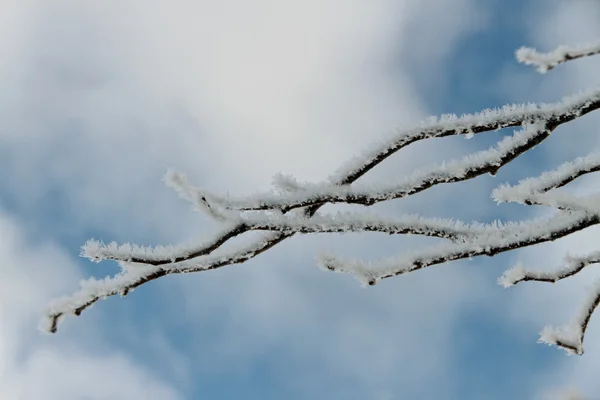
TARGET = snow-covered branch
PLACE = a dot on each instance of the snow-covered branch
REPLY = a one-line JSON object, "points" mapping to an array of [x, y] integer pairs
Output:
{"points": [[552, 115], [134, 275], [357, 222], [292, 208], [469, 167], [504, 239], [546, 61], [572, 266], [564, 174], [539, 122], [569, 337]]}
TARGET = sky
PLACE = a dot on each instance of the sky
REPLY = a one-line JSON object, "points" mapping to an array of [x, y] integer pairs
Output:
{"points": [[100, 98]]}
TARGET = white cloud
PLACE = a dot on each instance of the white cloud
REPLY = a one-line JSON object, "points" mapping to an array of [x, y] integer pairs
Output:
{"points": [[33, 366], [229, 92], [57, 374]]}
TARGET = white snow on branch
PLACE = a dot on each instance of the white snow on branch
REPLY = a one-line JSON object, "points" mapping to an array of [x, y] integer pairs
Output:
{"points": [[546, 61], [572, 265], [90, 291], [513, 275], [134, 274], [567, 337], [560, 176], [360, 222], [570, 337], [97, 251], [534, 116], [200, 199], [467, 167], [536, 231], [566, 201], [447, 125], [557, 199], [288, 183]]}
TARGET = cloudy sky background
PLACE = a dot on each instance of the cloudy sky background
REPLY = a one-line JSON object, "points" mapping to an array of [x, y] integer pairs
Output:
{"points": [[99, 99]]}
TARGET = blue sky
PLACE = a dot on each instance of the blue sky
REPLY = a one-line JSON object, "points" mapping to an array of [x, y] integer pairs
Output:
{"points": [[99, 99]]}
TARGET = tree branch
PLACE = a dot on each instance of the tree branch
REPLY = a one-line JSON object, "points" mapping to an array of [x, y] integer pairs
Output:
{"points": [[556, 114], [545, 120], [547, 61], [573, 265], [557, 178], [569, 337], [560, 225], [355, 222], [293, 209]]}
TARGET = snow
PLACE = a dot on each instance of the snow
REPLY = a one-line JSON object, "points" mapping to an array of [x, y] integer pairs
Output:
{"points": [[565, 173], [504, 238], [97, 251], [91, 290], [364, 222], [511, 276], [334, 191], [546, 61], [568, 335], [199, 198]]}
